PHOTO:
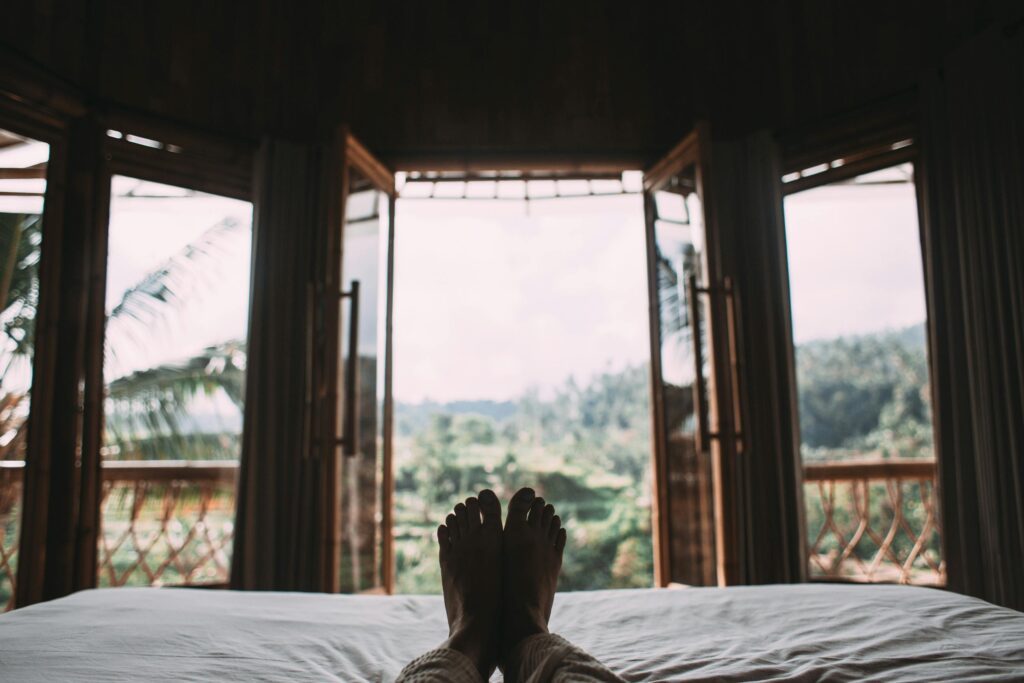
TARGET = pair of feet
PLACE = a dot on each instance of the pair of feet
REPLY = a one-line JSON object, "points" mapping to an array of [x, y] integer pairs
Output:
{"points": [[499, 583]]}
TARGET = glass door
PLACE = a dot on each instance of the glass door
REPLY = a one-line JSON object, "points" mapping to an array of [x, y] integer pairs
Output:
{"points": [[685, 304], [364, 373], [175, 346]]}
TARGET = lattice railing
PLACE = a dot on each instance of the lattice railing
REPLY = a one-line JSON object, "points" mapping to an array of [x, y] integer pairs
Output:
{"points": [[163, 523], [11, 473], [873, 520], [166, 523]]}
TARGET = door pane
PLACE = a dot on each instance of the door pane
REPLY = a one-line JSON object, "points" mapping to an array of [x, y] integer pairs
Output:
{"points": [[364, 272], [676, 217], [859, 324], [174, 371], [21, 239]]}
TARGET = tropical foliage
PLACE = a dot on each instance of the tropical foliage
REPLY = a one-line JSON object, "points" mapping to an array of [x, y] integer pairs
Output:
{"points": [[586, 448], [865, 394]]}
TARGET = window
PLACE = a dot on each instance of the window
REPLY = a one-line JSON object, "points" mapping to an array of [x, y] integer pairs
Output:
{"points": [[22, 187], [859, 326], [177, 303]]}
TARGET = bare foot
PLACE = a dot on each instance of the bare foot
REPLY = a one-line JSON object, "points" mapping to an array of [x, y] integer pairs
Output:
{"points": [[470, 554], [531, 558]]}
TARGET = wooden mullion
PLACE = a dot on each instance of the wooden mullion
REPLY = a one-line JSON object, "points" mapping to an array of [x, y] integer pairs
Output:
{"points": [[866, 164], [232, 180], [388, 478], [661, 517], [325, 370], [92, 424], [42, 418]]}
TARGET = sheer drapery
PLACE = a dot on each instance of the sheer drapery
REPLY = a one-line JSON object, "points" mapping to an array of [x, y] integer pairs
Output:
{"points": [[747, 209], [283, 538], [973, 211]]}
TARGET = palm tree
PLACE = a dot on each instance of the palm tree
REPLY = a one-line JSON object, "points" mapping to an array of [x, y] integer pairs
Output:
{"points": [[149, 411]]}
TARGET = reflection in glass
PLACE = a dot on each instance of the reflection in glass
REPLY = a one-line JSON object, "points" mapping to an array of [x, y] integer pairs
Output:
{"points": [[21, 238], [364, 272], [174, 370], [677, 218]]}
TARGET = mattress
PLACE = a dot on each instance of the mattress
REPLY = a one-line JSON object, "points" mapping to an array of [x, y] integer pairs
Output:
{"points": [[778, 633]]}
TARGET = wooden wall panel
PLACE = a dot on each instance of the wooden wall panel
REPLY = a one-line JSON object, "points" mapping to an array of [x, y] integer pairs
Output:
{"points": [[422, 80]]}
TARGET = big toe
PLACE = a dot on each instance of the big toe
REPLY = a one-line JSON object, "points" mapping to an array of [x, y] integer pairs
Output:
{"points": [[490, 508], [519, 506]]}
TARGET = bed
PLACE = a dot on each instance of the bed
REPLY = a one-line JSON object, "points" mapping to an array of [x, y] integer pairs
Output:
{"points": [[792, 633]]}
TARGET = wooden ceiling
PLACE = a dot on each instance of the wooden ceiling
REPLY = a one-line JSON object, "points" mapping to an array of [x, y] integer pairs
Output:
{"points": [[431, 80]]}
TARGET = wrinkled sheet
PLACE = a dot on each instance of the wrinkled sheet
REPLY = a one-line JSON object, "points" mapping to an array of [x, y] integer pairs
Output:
{"points": [[778, 633]]}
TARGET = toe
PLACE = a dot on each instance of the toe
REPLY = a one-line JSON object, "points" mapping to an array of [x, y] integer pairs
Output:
{"points": [[472, 514], [536, 511], [560, 540], [490, 506], [546, 516], [444, 543], [556, 526], [453, 527], [519, 506], [462, 517]]}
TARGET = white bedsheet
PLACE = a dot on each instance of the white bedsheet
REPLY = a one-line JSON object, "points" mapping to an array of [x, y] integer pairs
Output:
{"points": [[791, 633]]}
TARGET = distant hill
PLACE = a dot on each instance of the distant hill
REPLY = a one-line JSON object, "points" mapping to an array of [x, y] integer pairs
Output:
{"points": [[911, 337], [413, 417]]}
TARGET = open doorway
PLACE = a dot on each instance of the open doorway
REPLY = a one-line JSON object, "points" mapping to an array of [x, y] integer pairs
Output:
{"points": [[521, 357]]}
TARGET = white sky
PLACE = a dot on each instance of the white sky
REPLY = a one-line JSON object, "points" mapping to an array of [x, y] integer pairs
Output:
{"points": [[854, 260], [144, 233], [491, 300]]}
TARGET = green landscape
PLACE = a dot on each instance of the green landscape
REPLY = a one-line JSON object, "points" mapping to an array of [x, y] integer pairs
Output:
{"points": [[587, 449]]}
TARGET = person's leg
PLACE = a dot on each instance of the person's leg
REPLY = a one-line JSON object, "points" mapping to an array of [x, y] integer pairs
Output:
{"points": [[470, 557], [533, 542]]}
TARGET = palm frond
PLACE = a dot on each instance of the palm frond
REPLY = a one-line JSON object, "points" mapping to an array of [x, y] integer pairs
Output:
{"points": [[151, 303], [151, 414], [20, 251]]}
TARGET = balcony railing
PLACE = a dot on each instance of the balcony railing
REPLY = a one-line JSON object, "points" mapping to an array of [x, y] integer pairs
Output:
{"points": [[163, 523], [11, 472], [873, 520], [166, 522], [172, 522]]}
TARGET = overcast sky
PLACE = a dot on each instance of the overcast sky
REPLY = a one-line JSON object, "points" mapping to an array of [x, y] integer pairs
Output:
{"points": [[491, 299], [494, 297], [854, 260]]}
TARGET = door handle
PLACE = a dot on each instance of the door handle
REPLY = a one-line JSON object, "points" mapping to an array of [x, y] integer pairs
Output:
{"points": [[732, 305], [350, 420], [701, 431]]}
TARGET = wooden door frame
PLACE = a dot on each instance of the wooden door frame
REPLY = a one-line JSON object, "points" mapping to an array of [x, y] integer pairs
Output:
{"points": [[62, 481], [869, 139], [183, 158], [354, 155], [43, 471], [722, 438]]}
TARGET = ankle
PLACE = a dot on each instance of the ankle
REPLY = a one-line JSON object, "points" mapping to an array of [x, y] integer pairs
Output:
{"points": [[519, 627], [478, 642]]}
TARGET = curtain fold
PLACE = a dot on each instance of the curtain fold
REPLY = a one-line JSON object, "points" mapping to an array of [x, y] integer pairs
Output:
{"points": [[766, 485], [972, 206], [282, 540]]}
